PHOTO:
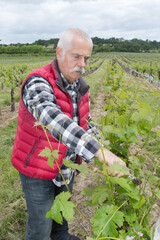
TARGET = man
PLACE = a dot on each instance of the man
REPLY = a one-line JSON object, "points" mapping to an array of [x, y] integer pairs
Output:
{"points": [[57, 95]]}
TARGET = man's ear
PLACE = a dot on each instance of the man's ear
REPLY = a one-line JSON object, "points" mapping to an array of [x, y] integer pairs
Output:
{"points": [[59, 53]]}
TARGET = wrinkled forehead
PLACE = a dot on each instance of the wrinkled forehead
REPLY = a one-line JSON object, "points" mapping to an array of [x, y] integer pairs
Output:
{"points": [[80, 46]]}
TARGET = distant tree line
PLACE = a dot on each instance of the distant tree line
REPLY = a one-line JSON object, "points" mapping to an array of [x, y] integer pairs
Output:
{"points": [[46, 43], [99, 45], [28, 49], [122, 45]]}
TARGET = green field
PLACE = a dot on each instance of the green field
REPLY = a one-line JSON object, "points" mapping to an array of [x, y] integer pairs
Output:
{"points": [[24, 59]]}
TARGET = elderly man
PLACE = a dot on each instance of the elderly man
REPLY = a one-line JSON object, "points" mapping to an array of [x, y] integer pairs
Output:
{"points": [[57, 95]]}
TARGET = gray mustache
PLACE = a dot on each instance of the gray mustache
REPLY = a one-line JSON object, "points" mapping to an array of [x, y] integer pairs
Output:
{"points": [[78, 69]]}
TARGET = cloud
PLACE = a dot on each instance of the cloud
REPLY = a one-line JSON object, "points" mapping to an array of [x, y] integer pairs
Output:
{"points": [[30, 20]]}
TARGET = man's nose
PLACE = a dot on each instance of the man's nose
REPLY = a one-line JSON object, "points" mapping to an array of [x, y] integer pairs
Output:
{"points": [[82, 63]]}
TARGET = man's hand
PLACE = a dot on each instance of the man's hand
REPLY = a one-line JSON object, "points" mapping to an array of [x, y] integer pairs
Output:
{"points": [[110, 159]]}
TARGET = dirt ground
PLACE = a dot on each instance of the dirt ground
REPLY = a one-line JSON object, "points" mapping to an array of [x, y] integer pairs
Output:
{"points": [[6, 116]]}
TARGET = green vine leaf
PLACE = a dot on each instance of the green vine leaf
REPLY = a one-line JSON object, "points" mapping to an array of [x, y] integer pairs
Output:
{"points": [[100, 194], [157, 191], [104, 217], [122, 234], [115, 167], [51, 155], [131, 216], [50, 162], [137, 204], [55, 154], [78, 167], [143, 113], [122, 182], [62, 207], [46, 152], [153, 179]]}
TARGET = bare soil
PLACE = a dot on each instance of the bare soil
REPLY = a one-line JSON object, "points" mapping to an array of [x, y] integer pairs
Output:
{"points": [[6, 116]]}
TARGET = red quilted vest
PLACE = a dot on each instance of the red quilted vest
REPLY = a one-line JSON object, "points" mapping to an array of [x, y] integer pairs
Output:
{"points": [[31, 140]]}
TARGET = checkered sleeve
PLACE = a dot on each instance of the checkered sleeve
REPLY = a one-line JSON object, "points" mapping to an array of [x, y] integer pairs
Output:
{"points": [[39, 99]]}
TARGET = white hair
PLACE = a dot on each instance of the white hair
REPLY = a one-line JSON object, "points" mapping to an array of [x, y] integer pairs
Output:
{"points": [[65, 40]]}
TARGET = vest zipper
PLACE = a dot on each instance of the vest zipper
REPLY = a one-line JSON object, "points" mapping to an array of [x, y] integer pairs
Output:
{"points": [[30, 155]]}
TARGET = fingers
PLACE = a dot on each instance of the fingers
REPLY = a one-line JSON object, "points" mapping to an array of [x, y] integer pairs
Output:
{"points": [[119, 174], [122, 163], [115, 174], [110, 158]]}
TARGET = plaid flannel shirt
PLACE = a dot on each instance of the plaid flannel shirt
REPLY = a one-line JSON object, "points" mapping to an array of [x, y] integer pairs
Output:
{"points": [[38, 96]]}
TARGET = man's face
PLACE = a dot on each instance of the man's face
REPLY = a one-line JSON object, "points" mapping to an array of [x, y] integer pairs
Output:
{"points": [[75, 60]]}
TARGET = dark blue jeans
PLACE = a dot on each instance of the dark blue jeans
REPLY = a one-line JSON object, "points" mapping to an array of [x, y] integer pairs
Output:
{"points": [[39, 195]]}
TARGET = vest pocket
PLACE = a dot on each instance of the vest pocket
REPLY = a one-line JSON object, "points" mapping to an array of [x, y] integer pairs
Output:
{"points": [[30, 155]]}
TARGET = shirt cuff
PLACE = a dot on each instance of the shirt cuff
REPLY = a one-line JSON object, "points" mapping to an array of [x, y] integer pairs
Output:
{"points": [[87, 147]]}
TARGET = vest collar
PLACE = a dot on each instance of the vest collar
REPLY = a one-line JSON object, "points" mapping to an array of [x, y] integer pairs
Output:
{"points": [[84, 87]]}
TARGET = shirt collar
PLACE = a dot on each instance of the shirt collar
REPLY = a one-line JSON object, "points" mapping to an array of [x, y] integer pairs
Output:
{"points": [[69, 86]]}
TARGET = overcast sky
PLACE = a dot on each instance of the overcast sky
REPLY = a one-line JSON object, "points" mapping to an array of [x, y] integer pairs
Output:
{"points": [[25, 21]]}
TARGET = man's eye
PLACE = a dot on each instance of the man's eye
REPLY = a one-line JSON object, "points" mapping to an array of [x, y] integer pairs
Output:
{"points": [[76, 57]]}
